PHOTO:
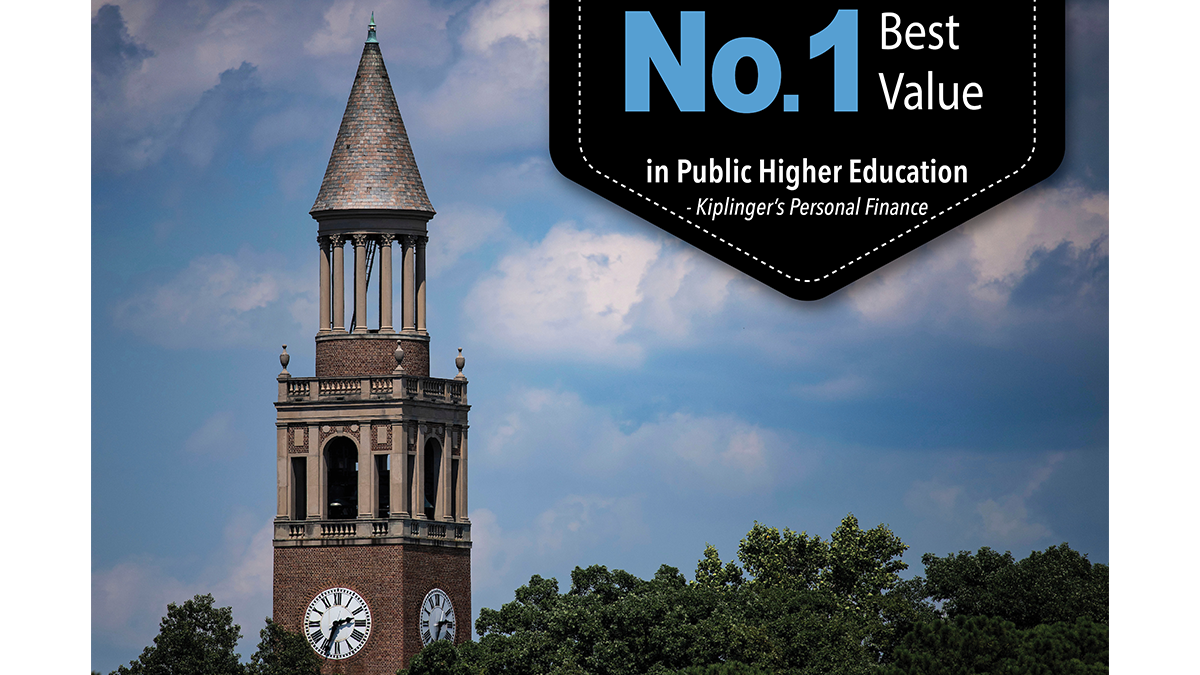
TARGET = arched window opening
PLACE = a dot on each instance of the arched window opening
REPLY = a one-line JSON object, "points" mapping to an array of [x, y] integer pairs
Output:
{"points": [[341, 458], [433, 470]]}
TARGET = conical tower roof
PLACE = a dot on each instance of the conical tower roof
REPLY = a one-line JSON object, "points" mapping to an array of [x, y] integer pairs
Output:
{"points": [[372, 164]]}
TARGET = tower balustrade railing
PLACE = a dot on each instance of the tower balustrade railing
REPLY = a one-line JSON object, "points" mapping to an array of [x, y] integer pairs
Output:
{"points": [[400, 387], [372, 529]]}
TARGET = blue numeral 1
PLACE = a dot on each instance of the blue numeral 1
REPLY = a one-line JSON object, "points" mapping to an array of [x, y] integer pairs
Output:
{"points": [[842, 36]]}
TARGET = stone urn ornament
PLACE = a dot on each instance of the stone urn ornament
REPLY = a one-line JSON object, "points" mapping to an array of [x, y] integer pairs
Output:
{"points": [[284, 358], [399, 354], [460, 362]]}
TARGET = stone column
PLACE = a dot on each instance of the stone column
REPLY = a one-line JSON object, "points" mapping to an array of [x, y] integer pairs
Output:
{"points": [[399, 479], [420, 284], [366, 472], [385, 283], [410, 283], [461, 507], [339, 283], [360, 282], [283, 474], [312, 474], [443, 503], [418, 500], [324, 294]]}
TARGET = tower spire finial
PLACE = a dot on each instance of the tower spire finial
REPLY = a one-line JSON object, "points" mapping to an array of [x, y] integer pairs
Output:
{"points": [[371, 29]]}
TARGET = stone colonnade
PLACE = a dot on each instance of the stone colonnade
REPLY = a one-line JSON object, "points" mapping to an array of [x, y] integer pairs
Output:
{"points": [[412, 279], [404, 491], [408, 492]]}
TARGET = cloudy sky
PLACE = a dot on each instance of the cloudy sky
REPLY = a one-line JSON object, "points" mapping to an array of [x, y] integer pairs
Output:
{"points": [[632, 399]]}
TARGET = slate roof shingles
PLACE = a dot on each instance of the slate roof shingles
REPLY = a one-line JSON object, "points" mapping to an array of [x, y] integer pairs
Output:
{"points": [[372, 164]]}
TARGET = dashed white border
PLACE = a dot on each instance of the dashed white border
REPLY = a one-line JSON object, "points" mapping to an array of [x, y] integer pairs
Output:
{"points": [[579, 120]]}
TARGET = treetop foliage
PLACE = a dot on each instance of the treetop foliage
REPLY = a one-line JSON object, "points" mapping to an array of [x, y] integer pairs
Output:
{"points": [[801, 604], [1059, 584], [194, 638], [282, 652], [797, 604]]}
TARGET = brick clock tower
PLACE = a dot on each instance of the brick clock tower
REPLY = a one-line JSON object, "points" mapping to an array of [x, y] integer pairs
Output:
{"points": [[372, 543]]}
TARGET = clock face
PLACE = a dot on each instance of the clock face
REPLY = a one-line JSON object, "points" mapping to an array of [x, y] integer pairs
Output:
{"points": [[437, 617], [337, 623]]}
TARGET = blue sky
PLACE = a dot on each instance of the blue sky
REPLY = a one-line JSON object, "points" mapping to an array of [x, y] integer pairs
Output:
{"points": [[632, 399]]}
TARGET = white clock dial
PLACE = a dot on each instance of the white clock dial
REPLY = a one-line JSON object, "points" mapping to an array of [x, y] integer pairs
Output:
{"points": [[436, 620], [337, 623]]}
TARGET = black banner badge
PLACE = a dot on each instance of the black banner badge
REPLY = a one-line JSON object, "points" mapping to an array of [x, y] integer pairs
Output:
{"points": [[806, 144]]}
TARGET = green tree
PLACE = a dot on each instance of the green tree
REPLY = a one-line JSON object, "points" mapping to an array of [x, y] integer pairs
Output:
{"points": [[858, 569], [282, 652], [809, 606], [983, 644], [711, 574], [194, 638], [1059, 584], [441, 657]]}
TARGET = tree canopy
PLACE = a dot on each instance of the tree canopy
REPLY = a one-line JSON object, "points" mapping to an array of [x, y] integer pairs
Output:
{"points": [[801, 604], [797, 604], [194, 638], [1058, 584], [282, 652]]}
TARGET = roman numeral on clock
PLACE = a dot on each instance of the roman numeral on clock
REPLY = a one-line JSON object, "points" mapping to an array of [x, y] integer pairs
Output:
{"points": [[357, 636], [316, 636], [314, 624], [337, 598], [425, 634], [360, 622]]}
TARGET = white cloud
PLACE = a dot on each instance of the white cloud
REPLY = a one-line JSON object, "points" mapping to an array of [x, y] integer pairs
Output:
{"points": [[684, 284], [720, 453], [934, 499], [570, 294], [842, 387], [193, 43], [1004, 238], [1004, 520], [283, 127], [577, 521], [459, 229], [1007, 520], [502, 559], [586, 296], [972, 271], [501, 81], [493, 552], [409, 31], [220, 301], [216, 437], [130, 598]]}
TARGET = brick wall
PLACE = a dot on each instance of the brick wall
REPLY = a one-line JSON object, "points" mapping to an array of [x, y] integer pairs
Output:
{"points": [[392, 578], [351, 357]]}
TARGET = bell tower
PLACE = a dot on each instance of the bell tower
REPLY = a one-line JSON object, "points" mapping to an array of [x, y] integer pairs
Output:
{"points": [[372, 545]]}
